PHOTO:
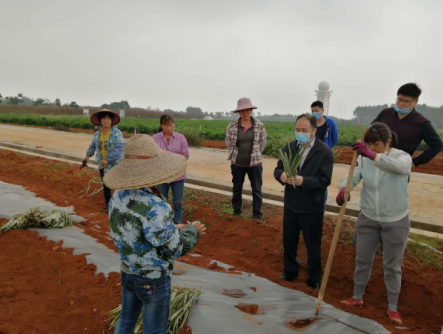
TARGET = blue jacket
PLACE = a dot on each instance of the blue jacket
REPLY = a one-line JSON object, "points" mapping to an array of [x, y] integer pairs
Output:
{"points": [[331, 137], [115, 146]]}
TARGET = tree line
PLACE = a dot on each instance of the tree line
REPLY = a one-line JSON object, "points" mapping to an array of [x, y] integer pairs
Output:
{"points": [[368, 113], [362, 114]]}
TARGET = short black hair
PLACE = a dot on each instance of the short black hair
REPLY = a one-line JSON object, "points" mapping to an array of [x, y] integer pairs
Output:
{"points": [[410, 89], [104, 114], [310, 118], [317, 104]]}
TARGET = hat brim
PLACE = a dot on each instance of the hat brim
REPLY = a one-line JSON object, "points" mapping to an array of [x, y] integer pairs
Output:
{"points": [[96, 121], [142, 173], [244, 108]]}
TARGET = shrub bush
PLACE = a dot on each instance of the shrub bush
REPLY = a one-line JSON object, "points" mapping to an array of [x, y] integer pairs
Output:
{"points": [[276, 143], [192, 137]]}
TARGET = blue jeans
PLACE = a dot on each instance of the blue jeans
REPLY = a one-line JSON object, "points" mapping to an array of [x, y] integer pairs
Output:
{"points": [[154, 296], [178, 192]]}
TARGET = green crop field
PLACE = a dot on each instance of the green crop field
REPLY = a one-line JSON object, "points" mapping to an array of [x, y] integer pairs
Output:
{"points": [[278, 133]]}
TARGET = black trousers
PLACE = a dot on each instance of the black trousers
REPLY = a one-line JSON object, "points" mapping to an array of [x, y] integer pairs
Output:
{"points": [[106, 190], [255, 175], [311, 225]]}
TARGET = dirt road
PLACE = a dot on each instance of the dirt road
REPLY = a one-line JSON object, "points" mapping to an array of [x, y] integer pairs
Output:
{"points": [[425, 191]]}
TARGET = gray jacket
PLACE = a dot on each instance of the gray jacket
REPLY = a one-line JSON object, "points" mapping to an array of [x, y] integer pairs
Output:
{"points": [[384, 197]]}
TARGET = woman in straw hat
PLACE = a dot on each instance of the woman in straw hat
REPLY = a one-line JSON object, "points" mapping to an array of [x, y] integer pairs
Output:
{"points": [[143, 231], [173, 142], [246, 139], [109, 144]]}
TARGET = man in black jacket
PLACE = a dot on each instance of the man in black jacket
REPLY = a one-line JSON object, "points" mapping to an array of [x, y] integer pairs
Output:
{"points": [[304, 200], [411, 126]]}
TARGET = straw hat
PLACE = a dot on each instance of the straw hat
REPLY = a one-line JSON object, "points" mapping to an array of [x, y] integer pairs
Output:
{"points": [[145, 165], [243, 104], [96, 121]]}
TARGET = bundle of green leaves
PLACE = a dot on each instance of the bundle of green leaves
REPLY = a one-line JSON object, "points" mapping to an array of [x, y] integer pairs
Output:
{"points": [[36, 218], [291, 162]]}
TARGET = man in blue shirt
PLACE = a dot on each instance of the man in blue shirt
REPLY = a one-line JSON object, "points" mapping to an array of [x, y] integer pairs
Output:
{"points": [[327, 130]]}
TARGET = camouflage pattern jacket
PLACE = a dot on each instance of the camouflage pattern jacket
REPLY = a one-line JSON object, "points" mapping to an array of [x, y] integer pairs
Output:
{"points": [[145, 235]]}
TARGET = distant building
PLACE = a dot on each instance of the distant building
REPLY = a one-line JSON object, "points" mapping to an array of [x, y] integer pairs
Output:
{"points": [[324, 94], [208, 118]]}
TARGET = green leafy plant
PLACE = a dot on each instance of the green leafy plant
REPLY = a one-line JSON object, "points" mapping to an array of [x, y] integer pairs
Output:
{"points": [[291, 163], [227, 208], [192, 138], [255, 241], [276, 141], [189, 210], [37, 218], [337, 153]]}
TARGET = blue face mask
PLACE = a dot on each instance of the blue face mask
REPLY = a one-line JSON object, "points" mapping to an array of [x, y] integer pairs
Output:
{"points": [[317, 115], [401, 111], [303, 138]]}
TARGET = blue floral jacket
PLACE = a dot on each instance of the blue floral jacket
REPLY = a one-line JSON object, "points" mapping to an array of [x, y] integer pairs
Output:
{"points": [[115, 145]]}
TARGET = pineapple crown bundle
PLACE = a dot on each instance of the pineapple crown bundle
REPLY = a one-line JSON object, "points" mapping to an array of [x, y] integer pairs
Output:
{"points": [[36, 218], [291, 162]]}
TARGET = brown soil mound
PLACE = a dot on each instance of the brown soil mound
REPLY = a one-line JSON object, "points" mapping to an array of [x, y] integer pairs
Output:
{"points": [[252, 309], [45, 289], [233, 240], [214, 144], [435, 166], [234, 293], [302, 323], [248, 308]]}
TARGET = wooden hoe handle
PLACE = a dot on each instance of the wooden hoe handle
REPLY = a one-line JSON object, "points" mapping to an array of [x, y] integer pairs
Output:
{"points": [[324, 281]]}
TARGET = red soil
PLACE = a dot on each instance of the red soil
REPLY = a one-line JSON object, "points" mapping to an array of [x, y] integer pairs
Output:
{"points": [[45, 289], [214, 144], [249, 308], [235, 241], [435, 166], [303, 323], [186, 330]]}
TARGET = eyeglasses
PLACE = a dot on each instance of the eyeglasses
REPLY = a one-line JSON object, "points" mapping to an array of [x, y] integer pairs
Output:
{"points": [[404, 102]]}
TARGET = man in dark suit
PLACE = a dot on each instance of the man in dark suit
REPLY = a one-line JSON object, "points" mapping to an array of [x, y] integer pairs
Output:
{"points": [[304, 200]]}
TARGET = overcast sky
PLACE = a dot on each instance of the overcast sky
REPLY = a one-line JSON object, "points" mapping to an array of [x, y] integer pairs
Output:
{"points": [[174, 54]]}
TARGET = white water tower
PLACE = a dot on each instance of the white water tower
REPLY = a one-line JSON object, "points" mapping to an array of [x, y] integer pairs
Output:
{"points": [[323, 94]]}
